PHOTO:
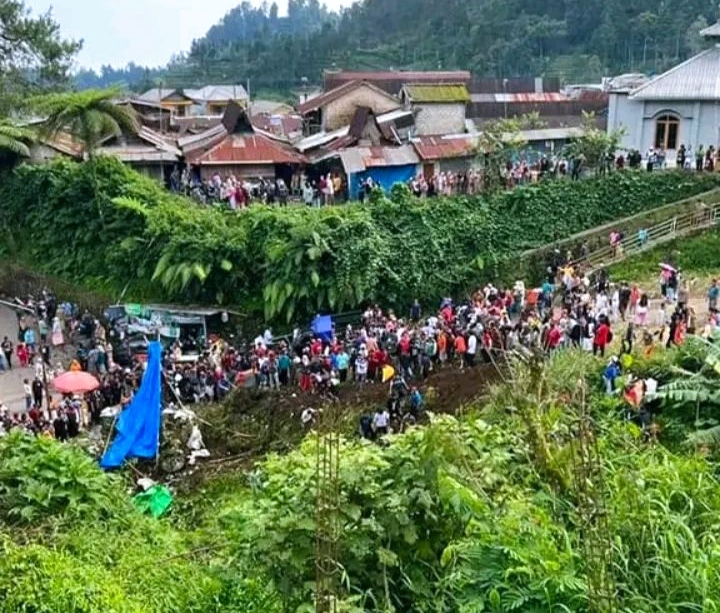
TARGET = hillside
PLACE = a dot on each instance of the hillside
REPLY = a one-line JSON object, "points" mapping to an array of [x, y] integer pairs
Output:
{"points": [[499, 38]]}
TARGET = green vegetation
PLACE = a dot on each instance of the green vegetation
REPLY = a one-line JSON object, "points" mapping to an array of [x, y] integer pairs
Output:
{"points": [[71, 541], [481, 513], [90, 116], [104, 227], [697, 255], [33, 57], [578, 42]]}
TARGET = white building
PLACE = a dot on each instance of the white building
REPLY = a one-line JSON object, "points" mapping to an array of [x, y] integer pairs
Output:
{"points": [[680, 106]]}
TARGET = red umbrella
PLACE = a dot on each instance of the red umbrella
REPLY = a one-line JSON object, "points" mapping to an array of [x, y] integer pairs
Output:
{"points": [[75, 382]]}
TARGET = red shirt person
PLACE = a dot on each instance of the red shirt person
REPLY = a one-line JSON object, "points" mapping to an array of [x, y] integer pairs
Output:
{"points": [[603, 337]]}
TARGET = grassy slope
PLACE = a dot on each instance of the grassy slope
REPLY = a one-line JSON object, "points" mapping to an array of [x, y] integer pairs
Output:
{"points": [[698, 256]]}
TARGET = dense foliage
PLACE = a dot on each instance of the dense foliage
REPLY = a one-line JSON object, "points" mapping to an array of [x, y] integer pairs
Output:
{"points": [[71, 541], [105, 227], [33, 56], [500, 38], [481, 513]]}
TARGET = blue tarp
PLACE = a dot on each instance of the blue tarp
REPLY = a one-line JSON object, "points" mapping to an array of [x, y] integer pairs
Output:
{"points": [[322, 326], [384, 176], [138, 428]]}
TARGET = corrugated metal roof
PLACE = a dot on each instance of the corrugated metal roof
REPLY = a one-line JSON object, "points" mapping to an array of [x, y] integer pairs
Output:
{"points": [[712, 31], [695, 79], [393, 115], [64, 143], [203, 139], [135, 153], [160, 142], [525, 97], [248, 149], [357, 159], [159, 94], [440, 92], [439, 148], [551, 134], [320, 139], [217, 93]]}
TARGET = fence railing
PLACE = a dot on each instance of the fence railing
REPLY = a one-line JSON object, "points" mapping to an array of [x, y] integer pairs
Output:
{"points": [[653, 236]]}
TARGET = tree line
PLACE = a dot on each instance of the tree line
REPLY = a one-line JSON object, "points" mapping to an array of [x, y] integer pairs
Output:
{"points": [[494, 38]]}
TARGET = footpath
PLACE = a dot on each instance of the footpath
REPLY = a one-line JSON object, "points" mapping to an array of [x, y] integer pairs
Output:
{"points": [[11, 382]]}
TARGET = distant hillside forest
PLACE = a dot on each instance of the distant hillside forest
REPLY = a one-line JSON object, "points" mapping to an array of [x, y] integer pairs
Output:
{"points": [[570, 39]]}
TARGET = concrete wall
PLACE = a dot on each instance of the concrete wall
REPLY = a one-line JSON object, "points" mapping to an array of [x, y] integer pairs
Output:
{"points": [[699, 122], [438, 118], [339, 113], [627, 115]]}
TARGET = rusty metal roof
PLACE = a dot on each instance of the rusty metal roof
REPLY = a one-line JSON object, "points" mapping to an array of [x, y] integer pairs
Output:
{"points": [[524, 97], [439, 148], [247, 149], [64, 143]]}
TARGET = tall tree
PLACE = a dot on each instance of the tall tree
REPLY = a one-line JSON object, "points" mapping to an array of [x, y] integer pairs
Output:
{"points": [[89, 116], [33, 55]]}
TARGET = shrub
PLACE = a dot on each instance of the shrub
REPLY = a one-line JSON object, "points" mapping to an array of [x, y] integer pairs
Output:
{"points": [[105, 227]]}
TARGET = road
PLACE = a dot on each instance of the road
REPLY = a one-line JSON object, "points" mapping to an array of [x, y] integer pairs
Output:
{"points": [[11, 382]]}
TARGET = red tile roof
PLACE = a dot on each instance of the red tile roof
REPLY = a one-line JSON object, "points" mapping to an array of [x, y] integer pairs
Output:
{"points": [[248, 149], [437, 148]]}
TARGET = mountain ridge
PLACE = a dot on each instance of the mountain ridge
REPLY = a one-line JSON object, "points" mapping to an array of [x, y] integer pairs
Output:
{"points": [[496, 38]]}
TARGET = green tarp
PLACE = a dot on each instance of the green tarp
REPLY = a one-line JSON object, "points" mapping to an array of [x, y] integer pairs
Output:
{"points": [[156, 501]]}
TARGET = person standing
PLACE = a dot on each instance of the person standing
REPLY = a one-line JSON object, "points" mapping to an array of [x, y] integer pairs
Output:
{"points": [[603, 337], [7, 349], [28, 391], [37, 391], [712, 296]]}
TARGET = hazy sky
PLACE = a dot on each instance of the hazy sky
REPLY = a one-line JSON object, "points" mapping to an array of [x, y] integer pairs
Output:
{"points": [[146, 32]]}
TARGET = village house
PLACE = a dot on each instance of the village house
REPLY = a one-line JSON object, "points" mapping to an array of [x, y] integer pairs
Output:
{"points": [[438, 109], [335, 109], [369, 147], [678, 107], [438, 154], [147, 152], [214, 99], [236, 147], [172, 99]]}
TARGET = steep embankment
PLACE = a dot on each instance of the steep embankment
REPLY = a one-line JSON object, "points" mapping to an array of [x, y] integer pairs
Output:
{"points": [[100, 225]]}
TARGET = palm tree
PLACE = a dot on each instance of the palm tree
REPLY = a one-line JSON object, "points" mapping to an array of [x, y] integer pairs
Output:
{"points": [[89, 116], [15, 139]]}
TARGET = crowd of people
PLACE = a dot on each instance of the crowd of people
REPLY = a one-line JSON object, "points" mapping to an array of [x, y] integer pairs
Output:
{"points": [[239, 193], [399, 350], [53, 338]]}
